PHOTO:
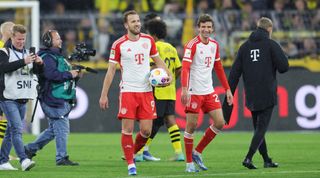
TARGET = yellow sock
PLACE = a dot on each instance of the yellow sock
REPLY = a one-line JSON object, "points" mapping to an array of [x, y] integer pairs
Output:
{"points": [[146, 145], [174, 133], [3, 127]]}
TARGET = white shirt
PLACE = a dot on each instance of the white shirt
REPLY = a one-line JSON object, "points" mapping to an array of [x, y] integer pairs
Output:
{"points": [[202, 57], [134, 60]]}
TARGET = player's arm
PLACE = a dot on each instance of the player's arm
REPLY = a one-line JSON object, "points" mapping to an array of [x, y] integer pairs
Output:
{"points": [[104, 103], [223, 80], [218, 68], [185, 74]]}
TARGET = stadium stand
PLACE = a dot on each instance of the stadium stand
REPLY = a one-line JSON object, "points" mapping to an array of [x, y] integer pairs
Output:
{"points": [[297, 23]]}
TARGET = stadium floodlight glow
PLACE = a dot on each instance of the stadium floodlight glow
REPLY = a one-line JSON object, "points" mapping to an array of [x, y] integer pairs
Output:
{"points": [[35, 36]]}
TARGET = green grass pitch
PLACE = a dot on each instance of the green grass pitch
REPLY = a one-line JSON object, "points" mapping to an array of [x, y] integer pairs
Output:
{"points": [[298, 154]]}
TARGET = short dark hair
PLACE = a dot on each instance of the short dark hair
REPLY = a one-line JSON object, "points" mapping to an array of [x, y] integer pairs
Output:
{"points": [[148, 18], [205, 18], [127, 13], [157, 28]]}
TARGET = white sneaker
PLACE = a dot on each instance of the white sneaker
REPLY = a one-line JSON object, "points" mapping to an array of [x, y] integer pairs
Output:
{"points": [[191, 168], [7, 167], [27, 164]]}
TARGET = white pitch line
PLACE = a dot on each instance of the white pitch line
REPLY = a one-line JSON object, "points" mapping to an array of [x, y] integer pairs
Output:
{"points": [[229, 174]]}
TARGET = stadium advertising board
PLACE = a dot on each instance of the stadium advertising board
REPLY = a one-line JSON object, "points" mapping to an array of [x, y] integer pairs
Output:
{"points": [[298, 105]]}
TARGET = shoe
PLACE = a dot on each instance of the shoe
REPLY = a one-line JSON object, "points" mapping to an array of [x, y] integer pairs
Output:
{"points": [[7, 167], [270, 164], [138, 158], [29, 153], [132, 171], [27, 164], [66, 162], [248, 164], [191, 168], [148, 157], [178, 157], [198, 160]]}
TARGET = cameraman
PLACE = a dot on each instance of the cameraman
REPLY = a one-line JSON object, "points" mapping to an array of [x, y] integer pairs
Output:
{"points": [[57, 92]]}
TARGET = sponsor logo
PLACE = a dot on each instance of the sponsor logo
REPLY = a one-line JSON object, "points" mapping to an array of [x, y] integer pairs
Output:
{"points": [[187, 53], [112, 53], [255, 54]]}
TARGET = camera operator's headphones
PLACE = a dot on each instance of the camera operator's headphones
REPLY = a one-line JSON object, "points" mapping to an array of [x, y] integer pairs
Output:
{"points": [[47, 38]]}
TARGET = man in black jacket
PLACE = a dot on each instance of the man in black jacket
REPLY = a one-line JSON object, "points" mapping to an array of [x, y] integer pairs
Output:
{"points": [[258, 60], [17, 86]]}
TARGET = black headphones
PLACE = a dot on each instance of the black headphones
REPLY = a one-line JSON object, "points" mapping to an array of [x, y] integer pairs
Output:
{"points": [[47, 39]]}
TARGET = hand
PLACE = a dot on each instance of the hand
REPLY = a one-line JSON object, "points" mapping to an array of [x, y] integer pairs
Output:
{"points": [[74, 73], [38, 60], [229, 97], [29, 59], [185, 97], [104, 103], [80, 74]]}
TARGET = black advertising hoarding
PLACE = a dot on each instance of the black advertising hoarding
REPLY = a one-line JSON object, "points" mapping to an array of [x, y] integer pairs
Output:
{"points": [[298, 108]]}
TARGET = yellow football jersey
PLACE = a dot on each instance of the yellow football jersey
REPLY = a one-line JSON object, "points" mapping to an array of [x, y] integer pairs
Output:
{"points": [[170, 56], [1, 44]]}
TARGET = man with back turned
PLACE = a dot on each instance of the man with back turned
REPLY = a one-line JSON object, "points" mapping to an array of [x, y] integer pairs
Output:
{"points": [[258, 61]]}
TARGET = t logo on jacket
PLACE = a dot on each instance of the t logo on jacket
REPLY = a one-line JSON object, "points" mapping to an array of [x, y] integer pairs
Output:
{"points": [[254, 53]]}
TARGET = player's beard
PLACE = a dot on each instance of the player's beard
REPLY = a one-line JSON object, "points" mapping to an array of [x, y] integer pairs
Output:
{"points": [[135, 30]]}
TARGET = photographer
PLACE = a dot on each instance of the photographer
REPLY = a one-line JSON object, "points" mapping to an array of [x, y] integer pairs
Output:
{"points": [[17, 86], [57, 92]]}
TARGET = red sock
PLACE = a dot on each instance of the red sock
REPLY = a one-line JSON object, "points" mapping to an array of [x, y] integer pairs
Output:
{"points": [[127, 147], [206, 139], [188, 145], [140, 142]]}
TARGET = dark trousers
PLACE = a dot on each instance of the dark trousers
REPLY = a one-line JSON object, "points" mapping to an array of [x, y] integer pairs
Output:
{"points": [[261, 120]]}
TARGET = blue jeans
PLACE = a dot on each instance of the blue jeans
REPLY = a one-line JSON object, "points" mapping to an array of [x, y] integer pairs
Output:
{"points": [[58, 129], [15, 113]]}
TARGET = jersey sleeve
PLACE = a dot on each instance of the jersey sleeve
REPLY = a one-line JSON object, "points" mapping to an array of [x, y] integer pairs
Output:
{"points": [[189, 52], [217, 57], [115, 53]]}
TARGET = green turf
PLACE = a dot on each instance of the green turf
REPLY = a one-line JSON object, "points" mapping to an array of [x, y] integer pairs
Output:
{"points": [[99, 156]]}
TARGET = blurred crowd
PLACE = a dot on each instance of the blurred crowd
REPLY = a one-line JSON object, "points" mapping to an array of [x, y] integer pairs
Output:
{"points": [[98, 22]]}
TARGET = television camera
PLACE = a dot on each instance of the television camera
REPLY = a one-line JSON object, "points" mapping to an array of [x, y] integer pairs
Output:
{"points": [[82, 53]]}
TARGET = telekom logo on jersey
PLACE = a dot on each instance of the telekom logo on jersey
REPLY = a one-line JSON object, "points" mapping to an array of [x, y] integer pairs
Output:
{"points": [[139, 58], [208, 61]]}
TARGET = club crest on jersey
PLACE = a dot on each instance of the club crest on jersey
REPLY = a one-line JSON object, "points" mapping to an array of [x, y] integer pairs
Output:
{"points": [[128, 50], [145, 45]]}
